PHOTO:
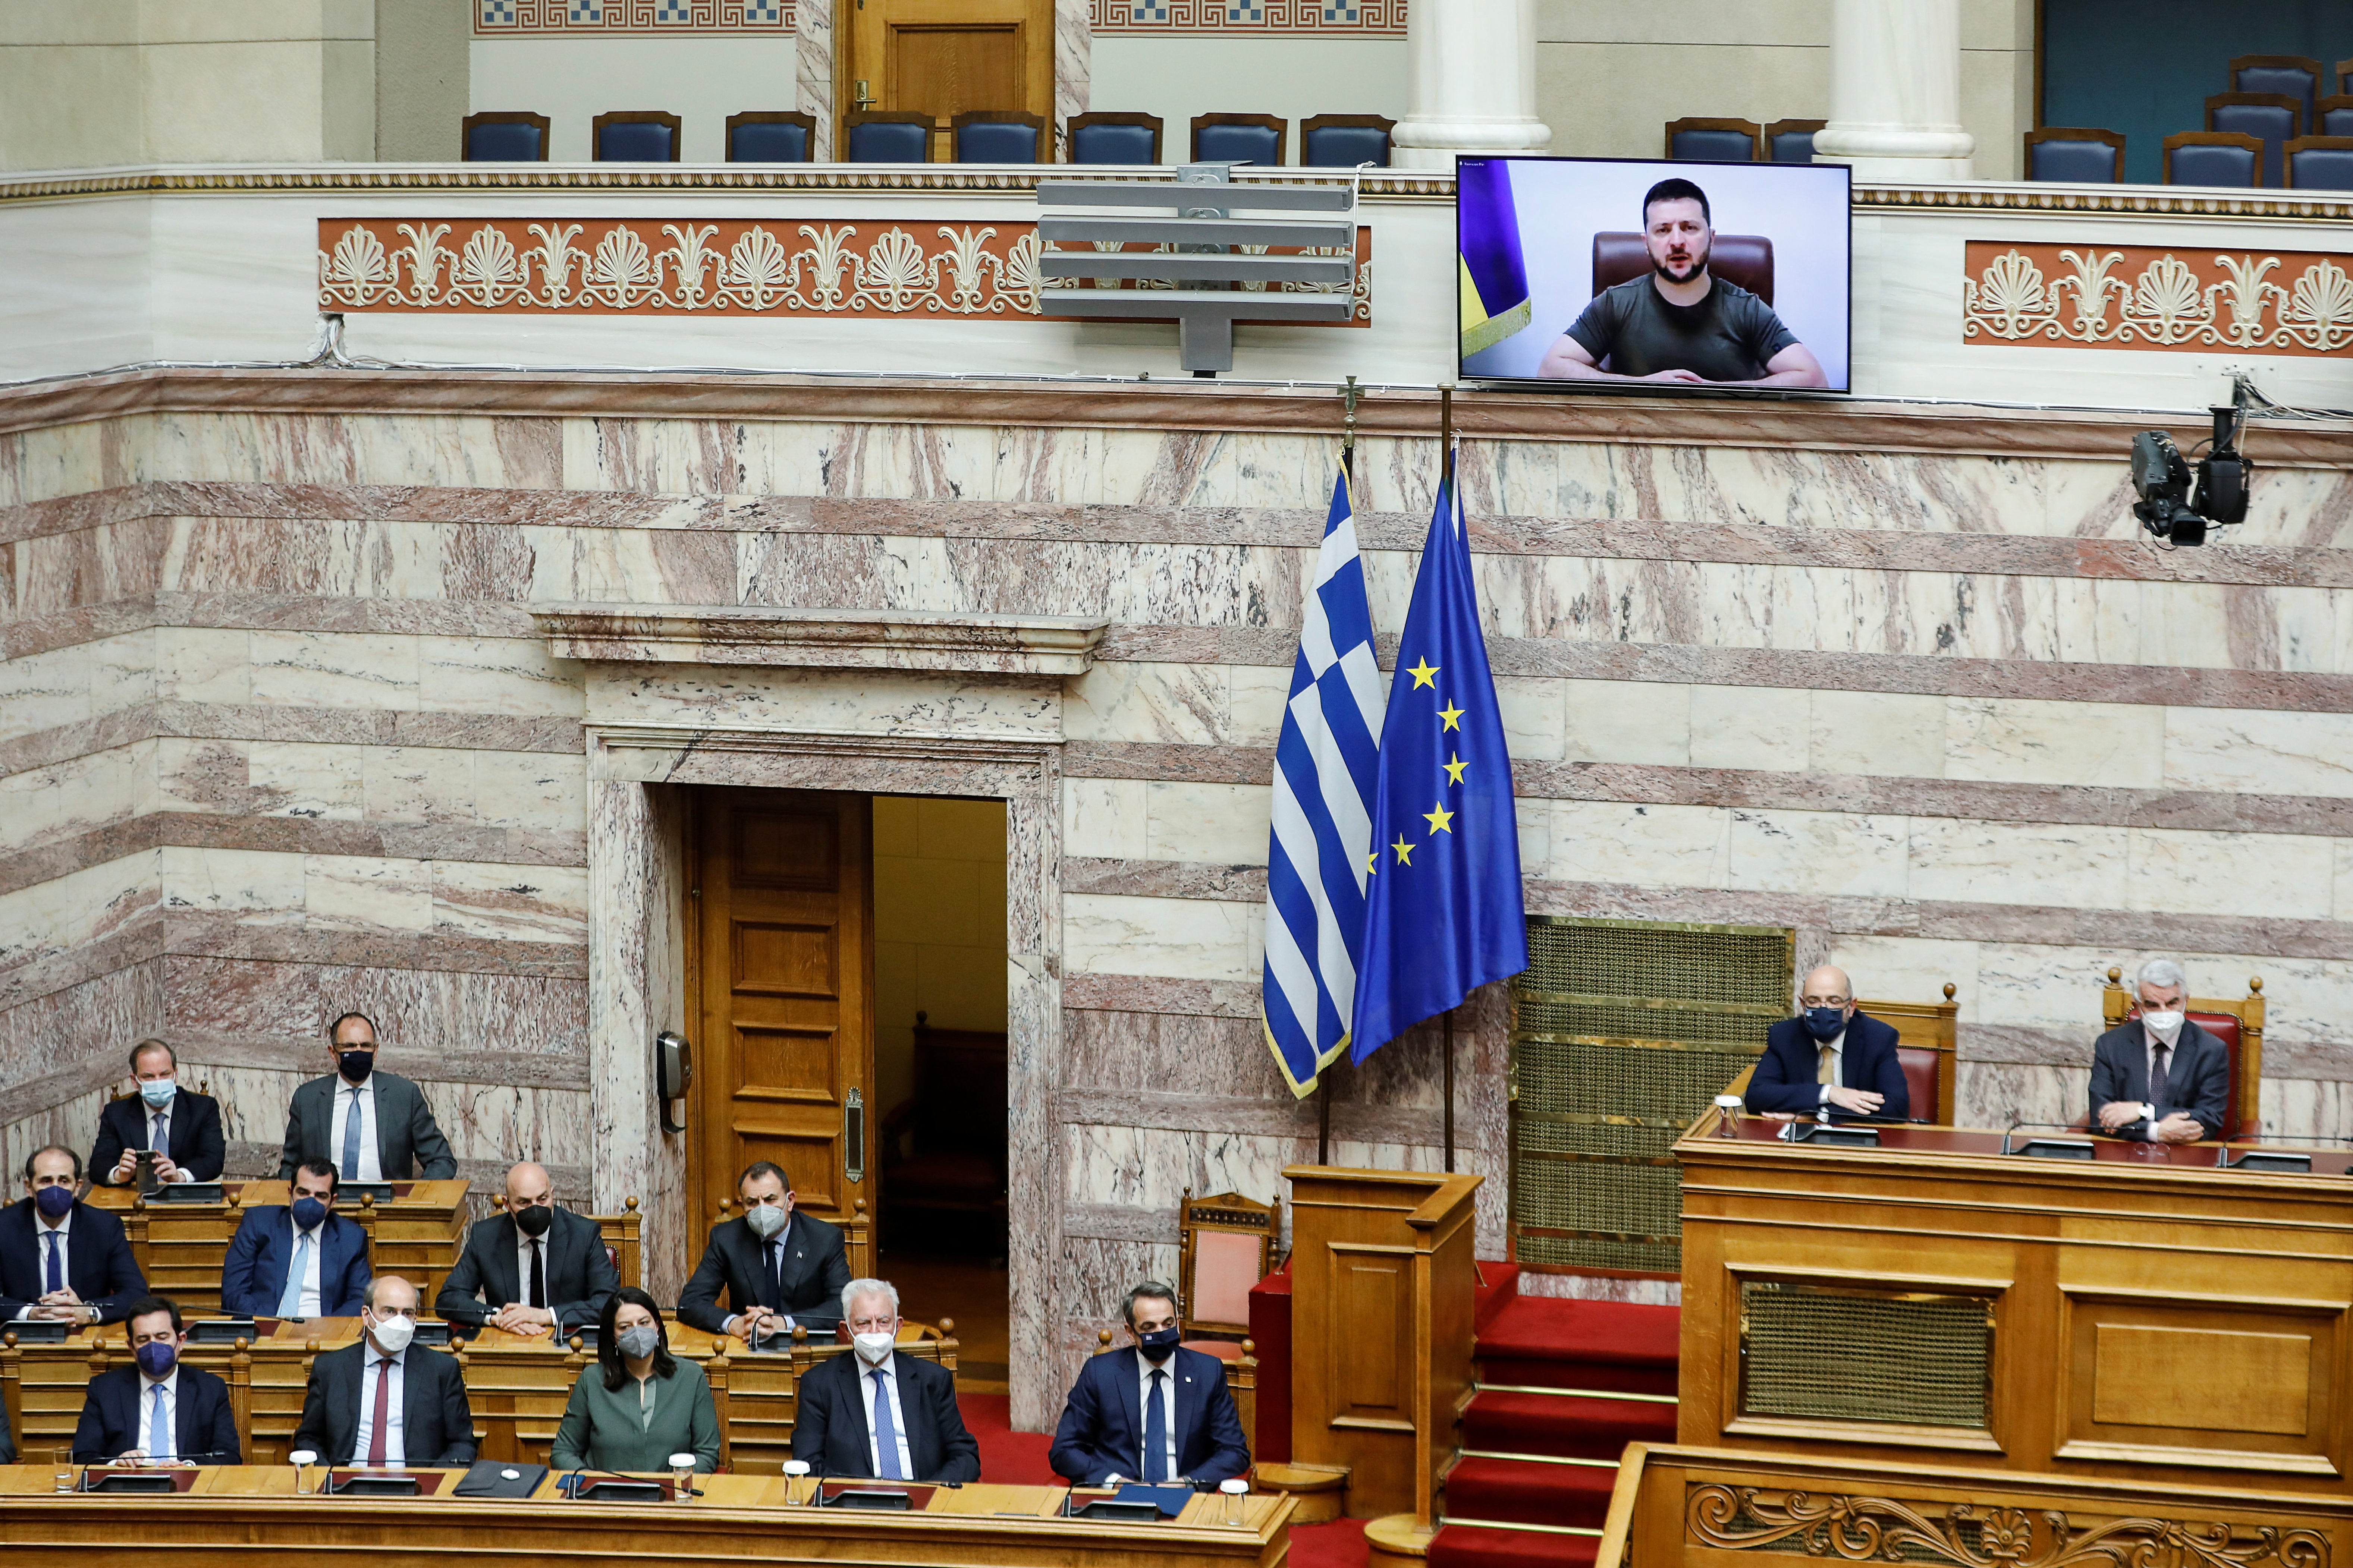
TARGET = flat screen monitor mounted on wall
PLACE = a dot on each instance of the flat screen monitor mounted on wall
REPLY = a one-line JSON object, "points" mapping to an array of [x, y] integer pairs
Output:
{"points": [[1593, 273]]}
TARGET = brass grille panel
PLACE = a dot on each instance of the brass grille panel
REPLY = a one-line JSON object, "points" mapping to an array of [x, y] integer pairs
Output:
{"points": [[1810, 1352]]}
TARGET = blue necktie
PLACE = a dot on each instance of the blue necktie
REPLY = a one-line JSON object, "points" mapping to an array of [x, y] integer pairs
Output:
{"points": [[351, 1172], [56, 1262], [886, 1431], [159, 1428], [155, 1139], [1155, 1433], [289, 1300]]}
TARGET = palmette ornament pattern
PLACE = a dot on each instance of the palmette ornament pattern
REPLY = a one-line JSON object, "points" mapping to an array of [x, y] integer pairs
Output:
{"points": [[2294, 302], [725, 267]]}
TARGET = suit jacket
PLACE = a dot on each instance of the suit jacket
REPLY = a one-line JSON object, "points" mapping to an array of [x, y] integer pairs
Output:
{"points": [[1102, 1430], [253, 1275], [580, 1274], [1786, 1076], [816, 1268], [99, 1265], [405, 1131], [2198, 1079], [830, 1421], [601, 1429], [113, 1418], [197, 1146], [438, 1424]]}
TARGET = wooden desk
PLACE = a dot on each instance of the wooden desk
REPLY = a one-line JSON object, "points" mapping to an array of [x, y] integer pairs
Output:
{"points": [[250, 1516], [181, 1246], [2143, 1314]]}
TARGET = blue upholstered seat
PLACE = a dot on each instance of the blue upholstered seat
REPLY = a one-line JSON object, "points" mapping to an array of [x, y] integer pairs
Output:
{"points": [[2336, 119], [2273, 124], [2300, 81], [1791, 146], [996, 141], [2195, 164], [634, 142], [2320, 168], [1344, 146], [1237, 144], [2077, 160], [889, 142], [1112, 144], [769, 141], [503, 143], [1720, 146]]}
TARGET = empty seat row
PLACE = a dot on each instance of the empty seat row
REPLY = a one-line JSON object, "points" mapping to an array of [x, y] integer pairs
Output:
{"points": [[977, 136], [2272, 129], [1742, 140]]}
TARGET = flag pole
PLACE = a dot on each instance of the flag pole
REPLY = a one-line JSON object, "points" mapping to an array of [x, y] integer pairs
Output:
{"points": [[1446, 471], [1449, 1092], [1323, 1117]]}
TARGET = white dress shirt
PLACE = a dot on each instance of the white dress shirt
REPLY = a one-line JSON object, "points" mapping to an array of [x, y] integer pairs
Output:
{"points": [[889, 1379], [42, 1231], [171, 1387], [371, 1167], [395, 1421], [310, 1306]]}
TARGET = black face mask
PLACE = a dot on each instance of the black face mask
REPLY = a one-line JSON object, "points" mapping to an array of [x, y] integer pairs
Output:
{"points": [[533, 1219], [355, 1065], [1159, 1344]]}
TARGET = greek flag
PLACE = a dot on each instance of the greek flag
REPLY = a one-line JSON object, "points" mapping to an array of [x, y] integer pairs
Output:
{"points": [[1321, 848]]}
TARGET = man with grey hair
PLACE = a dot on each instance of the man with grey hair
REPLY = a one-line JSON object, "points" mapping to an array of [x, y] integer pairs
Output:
{"points": [[2158, 1077], [876, 1413]]}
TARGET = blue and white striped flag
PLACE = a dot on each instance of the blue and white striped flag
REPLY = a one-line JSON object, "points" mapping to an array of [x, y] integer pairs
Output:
{"points": [[1321, 847]]}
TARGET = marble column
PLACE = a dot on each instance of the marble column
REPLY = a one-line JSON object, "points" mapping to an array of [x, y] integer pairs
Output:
{"points": [[1474, 82], [1895, 92]]}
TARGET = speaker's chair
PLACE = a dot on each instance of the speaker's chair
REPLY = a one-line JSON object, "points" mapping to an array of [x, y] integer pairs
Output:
{"points": [[2238, 1024], [1926, 1041]]}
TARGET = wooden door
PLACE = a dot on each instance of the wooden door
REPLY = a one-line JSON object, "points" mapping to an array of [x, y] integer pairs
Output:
{"points": [[944, 57], [785, 967]]}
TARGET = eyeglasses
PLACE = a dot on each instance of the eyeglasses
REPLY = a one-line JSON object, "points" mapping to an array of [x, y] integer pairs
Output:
{"points": [[1823, 1001]]}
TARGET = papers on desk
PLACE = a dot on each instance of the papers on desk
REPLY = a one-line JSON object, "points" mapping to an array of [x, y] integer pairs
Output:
{"points": [[488, 1477]]}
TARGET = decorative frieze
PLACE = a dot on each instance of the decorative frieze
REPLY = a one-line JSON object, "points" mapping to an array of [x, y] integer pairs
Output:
{"points": [[629, 19], [2186, 300], [1250, 18]]}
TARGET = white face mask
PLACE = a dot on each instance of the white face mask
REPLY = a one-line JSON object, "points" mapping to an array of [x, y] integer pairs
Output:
{"points": [[766, 1219], [874, 1349], [393, 1333], [2166, 1026]]}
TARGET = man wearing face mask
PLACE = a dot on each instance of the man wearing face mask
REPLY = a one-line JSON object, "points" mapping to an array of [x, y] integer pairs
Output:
{"points": [[778, 1267], [385, 1401], [155, 1409], [61, 1258], [182, 1127], [876, 1413], [2158, 1077], [1155, 1413], [534, 1270], [371, 1126], [1829, 1058], [299, 1259]]}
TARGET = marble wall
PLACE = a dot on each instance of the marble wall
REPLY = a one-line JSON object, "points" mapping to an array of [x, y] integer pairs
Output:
{"points": [[280, 735]]}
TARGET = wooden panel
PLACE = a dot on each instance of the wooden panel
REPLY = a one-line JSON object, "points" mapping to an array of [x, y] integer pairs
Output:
{"points": [[2153, 1378], [1376, 1294], [945, 70], [2239, 1382], [941, 57]]}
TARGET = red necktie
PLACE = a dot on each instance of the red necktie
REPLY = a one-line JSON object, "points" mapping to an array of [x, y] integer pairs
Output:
{"points": [[383, 1411]]}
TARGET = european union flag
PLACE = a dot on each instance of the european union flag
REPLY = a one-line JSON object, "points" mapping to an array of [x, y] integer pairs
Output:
{"points": [[1442, 912]]}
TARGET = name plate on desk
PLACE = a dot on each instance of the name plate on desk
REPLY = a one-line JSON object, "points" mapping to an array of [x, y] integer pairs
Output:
{"points": [[1118, 1510], [1828, 1135], [2055, 1149], [2271, 1161], [873, 1499], [624, 1491], [222, 1331], [377, 1483], [188, 1193], [431, 1333], [118, 1481], [39, 1330], [351, 1192]]}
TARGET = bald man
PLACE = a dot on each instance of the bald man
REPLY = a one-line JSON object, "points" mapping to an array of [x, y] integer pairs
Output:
{"points": [[536, 1268], [1830, 1059]]}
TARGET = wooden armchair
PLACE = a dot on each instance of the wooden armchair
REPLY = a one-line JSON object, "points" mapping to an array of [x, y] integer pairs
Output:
{"points": [[955, 1169], [1225, 1245], [2238, 1024], [1926, 1043]]}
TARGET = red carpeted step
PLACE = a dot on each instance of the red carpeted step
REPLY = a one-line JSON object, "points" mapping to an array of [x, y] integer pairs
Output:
{"points": [[1522, 1491], [1567, 1424], [1468, 1546], [1016, 1459], [1546, 1343]]}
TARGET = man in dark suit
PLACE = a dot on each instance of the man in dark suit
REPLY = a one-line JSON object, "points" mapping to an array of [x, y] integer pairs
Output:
{"points": [[535, 1268], [875, 1413], [60, 1257], [299, 1259], [1830, 1058], [370, 1126], [156, 1409], [347, 1409], [182, 1126], [2158, 1077], [779, 1269], [1157, 1412]]}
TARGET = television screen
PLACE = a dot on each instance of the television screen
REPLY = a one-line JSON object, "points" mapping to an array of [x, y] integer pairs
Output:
{"points": [[1614, 272]]}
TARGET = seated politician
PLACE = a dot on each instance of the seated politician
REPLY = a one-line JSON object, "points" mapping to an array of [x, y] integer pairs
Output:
{"points": [[347, 1410], [2158, 1077], [779, 1268], [639, 1404], [1829, 1058], [874, 1412], [532, 1270], [1154, 1412], [60, 1257], [370, 1126], [1678, 322], [154, 1409], [297, 1259], [182, 1127]]}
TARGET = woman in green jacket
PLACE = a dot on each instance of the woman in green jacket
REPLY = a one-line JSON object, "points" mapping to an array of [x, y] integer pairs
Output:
{"points": [[637, 1406]]}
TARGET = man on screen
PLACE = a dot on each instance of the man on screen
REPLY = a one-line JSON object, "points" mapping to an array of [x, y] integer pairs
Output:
{"points": [[1680, 323]]}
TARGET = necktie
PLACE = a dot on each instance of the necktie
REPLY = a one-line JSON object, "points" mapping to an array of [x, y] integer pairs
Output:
{"points": [[886, 1431], [1155, 1433], [776, 1276], [351, 1172], [1825, 1068], [383, 1410], [538, 1275], [57, 1281], [156, 1140], [159, 1428], [2158, 1074], [289, 1300]]}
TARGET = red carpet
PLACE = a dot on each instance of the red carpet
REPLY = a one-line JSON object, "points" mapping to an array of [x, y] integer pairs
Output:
{"points": [[1339, 1544], [1016, 1459]]}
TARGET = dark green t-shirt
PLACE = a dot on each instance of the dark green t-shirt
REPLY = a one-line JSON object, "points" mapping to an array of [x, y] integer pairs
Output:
{"points": [[1632, 330]]}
